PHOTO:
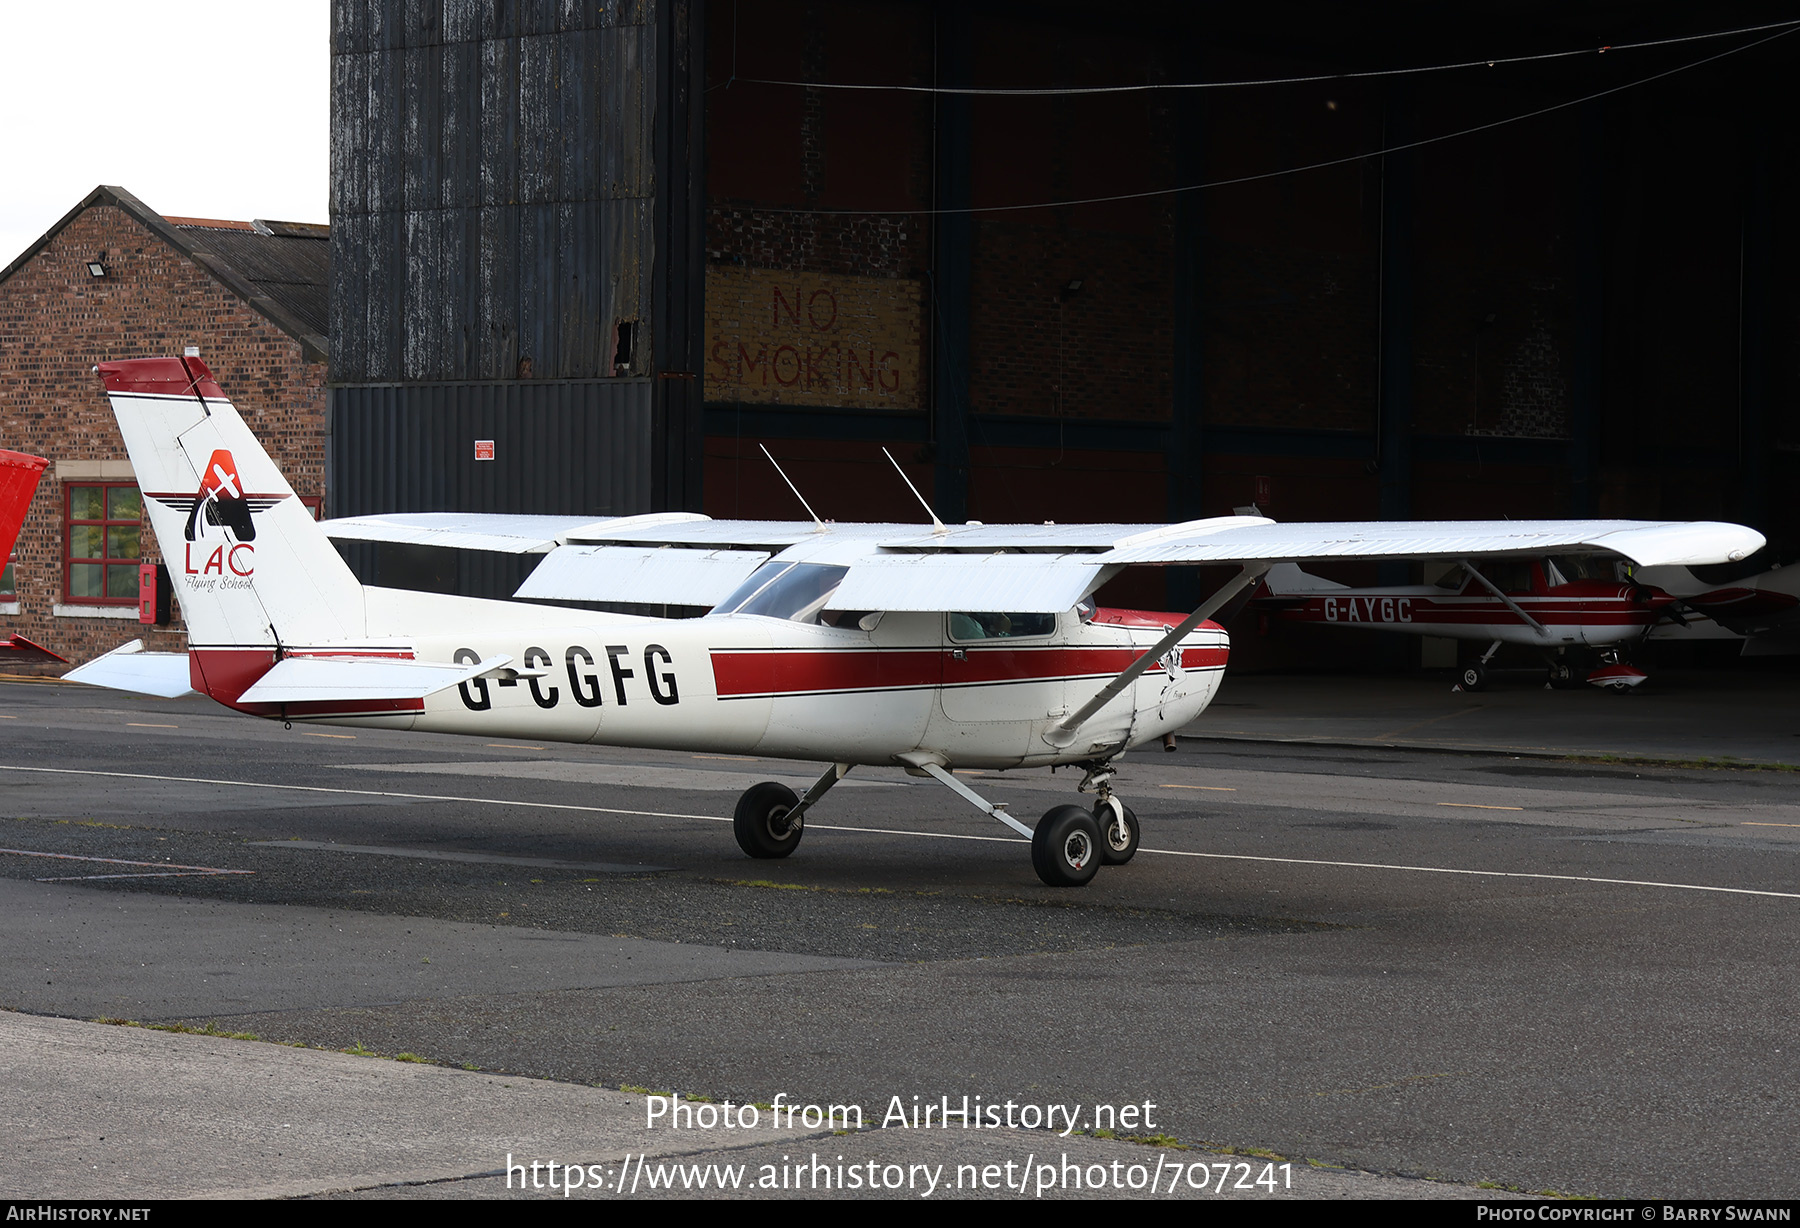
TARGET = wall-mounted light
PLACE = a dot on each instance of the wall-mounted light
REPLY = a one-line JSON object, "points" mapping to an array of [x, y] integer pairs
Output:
{"points": [[1074, 287], [96, 268]]}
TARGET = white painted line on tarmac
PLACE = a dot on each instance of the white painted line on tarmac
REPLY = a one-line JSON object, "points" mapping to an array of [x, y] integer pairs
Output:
{"points": [[163, 869], [888, 831], [415, 797], [498, 859], [1562, 878]]}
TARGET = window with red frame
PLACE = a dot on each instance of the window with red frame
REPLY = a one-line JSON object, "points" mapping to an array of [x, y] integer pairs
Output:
{"points": [[103, 541]]}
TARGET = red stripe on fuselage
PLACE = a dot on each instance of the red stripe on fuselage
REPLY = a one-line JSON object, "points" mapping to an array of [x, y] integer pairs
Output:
{"points": [[742, 673], [1426, 611]]}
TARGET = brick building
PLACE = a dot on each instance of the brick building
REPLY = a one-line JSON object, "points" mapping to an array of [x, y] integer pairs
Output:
{"points": [[112, 280]]}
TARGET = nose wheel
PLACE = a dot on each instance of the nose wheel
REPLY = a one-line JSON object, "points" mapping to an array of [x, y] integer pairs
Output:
{"points": [[1118, 831]]}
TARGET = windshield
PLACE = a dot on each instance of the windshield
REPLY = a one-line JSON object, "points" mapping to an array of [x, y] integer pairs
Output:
{"points": [[794, 591]]}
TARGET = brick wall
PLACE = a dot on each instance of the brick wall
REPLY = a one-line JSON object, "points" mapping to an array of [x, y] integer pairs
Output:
{"points": [[57, 321]]}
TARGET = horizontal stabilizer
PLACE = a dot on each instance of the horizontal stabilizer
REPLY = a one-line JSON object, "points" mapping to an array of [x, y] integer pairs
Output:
{"points": [[129, 668], [296, 680], [27, 650]]}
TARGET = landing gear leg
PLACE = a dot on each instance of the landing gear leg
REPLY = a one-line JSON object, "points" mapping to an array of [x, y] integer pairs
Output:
{"points": [[769, 819], [1474, 677], [1066, 845], [1118, 824]]}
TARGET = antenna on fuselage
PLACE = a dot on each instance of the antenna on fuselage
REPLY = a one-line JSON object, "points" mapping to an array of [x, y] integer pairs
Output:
{"points": [[790, 485], [937, 526]]}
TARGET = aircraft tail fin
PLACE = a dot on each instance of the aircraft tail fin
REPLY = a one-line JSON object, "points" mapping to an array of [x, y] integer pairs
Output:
{"points": [[1287, 580], [19, 474], [250, 566]]}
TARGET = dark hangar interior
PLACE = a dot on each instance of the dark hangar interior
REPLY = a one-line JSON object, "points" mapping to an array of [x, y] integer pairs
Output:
{"points": [[632, 240]]}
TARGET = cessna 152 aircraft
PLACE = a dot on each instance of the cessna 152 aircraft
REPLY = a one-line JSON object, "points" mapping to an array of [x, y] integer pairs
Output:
{"points": [[850, 645], [1553, 603]]}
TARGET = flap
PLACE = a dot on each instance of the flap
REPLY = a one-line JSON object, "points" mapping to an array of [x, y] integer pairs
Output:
{"points": [[649, 575], [1014, 583], [503, 534]]}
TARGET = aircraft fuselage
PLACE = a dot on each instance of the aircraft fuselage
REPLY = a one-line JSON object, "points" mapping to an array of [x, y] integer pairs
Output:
{"points": [[743, 684]]}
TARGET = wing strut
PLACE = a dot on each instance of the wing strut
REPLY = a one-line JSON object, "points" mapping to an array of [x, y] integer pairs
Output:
{"points": [[1508, 602], [1062, 733]]}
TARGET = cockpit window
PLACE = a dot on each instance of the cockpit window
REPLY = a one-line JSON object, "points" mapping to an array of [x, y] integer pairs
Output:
{"points": [[1507, 575], [1566, 568], [794, 591], [966, 627]]}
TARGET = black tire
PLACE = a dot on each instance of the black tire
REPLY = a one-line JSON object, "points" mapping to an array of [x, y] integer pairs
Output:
{"points": [[1065, 847], [1563, 676], [1112, 851], [1473, 677], [761, 823]]}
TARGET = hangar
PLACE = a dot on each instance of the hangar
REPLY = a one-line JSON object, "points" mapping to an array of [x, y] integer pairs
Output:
{"points": [[1508, 259]]}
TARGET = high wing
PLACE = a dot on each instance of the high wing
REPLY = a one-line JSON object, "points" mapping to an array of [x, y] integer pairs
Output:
{"points": [[685, 559]]}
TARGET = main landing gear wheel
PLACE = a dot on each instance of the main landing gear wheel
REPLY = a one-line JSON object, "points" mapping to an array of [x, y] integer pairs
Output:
{"points": [[1473, 677], [762, 824], [1065, 847], [1118, 842], [1563, 676]]}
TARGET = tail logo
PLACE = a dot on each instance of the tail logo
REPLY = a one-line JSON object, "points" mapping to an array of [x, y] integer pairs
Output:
{"points": [[222, 514], [221, 501]]}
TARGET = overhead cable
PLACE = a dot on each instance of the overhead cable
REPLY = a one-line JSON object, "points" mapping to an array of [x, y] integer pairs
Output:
{"points": [[1219, 85], [1791, 27]]}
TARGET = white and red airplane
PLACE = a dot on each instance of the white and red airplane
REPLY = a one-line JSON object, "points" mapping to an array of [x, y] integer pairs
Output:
{"points": [[850, 645], [1557, 604]]}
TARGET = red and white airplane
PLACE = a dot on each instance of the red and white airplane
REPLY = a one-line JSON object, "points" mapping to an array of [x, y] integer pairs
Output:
{"points": [[1557, 604], [927, 648]]}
